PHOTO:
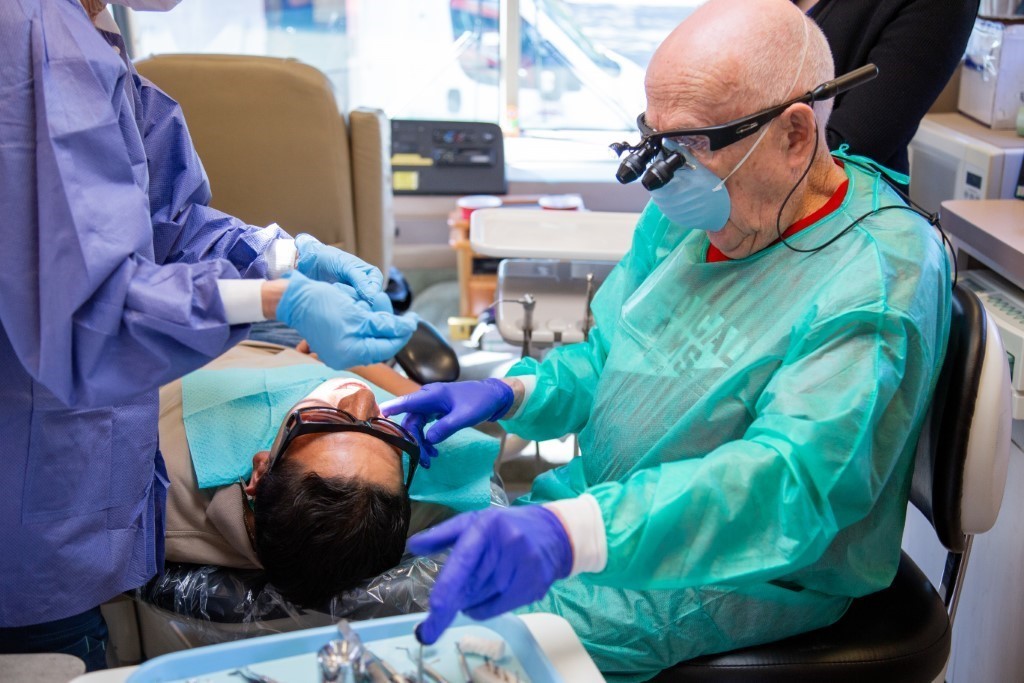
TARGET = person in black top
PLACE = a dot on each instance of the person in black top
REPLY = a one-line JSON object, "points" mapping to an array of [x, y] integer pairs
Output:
{"points": [[916, 45]]}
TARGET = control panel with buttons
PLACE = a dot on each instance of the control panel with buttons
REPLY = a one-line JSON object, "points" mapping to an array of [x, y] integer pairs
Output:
{"points": [[447, 157]]}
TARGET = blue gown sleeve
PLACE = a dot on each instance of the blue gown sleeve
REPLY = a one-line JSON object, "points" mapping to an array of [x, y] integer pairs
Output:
{"points": [[834, 431], [86, 308], [567, 378], [185, 228]]}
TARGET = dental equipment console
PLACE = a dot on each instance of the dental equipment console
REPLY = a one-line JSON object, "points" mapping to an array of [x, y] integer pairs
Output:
{"points": [[547, 302], [447, 157], [559, 258]]}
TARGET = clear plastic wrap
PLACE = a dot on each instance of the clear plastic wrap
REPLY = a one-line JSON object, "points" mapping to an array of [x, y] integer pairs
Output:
{"points": [[193, 605]]}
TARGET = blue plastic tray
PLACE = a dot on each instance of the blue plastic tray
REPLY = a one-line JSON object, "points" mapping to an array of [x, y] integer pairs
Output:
{"points": [[291, 657]]}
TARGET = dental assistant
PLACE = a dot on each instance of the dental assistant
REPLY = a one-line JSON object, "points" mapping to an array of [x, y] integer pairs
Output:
{"points": [[116, 277], [749, 400]]}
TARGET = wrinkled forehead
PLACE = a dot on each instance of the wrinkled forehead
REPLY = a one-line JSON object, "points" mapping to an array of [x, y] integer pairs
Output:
{"points": [[673, 112], [692, 96]]}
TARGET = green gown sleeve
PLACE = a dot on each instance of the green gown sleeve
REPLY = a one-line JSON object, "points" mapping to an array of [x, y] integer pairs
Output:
{"points": [[567, 378], [837, 421]]}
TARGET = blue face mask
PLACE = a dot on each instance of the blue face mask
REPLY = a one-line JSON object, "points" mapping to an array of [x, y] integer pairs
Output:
{"points": [[695, 197]]}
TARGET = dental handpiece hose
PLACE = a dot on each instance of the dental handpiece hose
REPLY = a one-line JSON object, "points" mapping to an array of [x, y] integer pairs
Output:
{"points": [[419, 656], [587, 319], [528, 305]]}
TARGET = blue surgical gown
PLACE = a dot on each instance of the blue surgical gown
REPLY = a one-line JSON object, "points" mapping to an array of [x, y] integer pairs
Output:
{"points": [[108, 288]]}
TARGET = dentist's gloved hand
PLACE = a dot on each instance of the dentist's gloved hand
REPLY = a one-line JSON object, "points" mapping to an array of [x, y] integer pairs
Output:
{"points": [[455, 405], [341, 329], [330, 264], [501, 558]]}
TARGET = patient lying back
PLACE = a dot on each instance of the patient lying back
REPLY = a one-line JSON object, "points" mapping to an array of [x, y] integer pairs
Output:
{"points": [[332, 511]]}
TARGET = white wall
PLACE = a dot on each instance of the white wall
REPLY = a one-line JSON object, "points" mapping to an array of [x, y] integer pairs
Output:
{"points": [[988, 635]]}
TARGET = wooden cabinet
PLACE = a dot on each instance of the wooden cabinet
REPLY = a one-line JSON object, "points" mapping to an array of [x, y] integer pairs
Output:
{"points": [[476, 290]]}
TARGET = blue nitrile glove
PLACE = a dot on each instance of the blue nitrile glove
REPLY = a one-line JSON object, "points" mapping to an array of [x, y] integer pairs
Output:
{"points": [[501, 558], [330, 264], [341, 329], [455, 405], [380, 303]]}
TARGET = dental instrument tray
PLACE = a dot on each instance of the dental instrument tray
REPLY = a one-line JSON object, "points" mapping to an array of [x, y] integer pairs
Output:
{"points": [[500, 649]]}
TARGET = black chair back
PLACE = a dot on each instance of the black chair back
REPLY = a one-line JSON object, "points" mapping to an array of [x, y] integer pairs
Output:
{"points": [[942, 449], [428, 358]]}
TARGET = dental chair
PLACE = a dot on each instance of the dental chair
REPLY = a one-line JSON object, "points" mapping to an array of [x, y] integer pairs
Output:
{"points": [[277, 150], [553, 263], [903, 634]]}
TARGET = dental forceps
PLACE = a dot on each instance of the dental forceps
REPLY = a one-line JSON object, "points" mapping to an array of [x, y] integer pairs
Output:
{"points": [[423, 667]]}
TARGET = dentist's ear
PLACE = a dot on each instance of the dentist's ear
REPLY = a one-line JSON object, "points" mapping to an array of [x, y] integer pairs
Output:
{"points": [[800, 129]]}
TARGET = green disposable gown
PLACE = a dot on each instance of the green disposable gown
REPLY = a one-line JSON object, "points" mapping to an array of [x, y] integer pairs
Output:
{"points": [[747, 428]]}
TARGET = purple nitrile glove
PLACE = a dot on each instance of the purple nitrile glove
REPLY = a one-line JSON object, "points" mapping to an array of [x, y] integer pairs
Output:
{"points": [[501, 558], [455, 406]]}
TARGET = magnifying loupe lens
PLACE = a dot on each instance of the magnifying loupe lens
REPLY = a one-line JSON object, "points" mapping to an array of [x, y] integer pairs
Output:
{"points": [[662, 170], [632, 167]]}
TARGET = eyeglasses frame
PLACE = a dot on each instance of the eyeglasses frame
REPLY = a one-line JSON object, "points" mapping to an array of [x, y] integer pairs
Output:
{"points": [[725, 134], [293, 427]]}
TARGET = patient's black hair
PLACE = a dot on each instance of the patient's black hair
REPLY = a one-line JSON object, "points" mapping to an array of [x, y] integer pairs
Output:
{"points": [[317, 537]]}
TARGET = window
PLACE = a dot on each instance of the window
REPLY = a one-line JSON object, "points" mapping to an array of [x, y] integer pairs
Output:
{"points": [[580, 69]]}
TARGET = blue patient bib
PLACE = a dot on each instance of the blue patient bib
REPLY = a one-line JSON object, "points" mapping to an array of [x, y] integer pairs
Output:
{"points": [[230, 415]]}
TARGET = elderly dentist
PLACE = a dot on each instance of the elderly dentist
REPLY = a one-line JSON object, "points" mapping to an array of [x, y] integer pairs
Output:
{"points": [[749, 402], [118, 277]]}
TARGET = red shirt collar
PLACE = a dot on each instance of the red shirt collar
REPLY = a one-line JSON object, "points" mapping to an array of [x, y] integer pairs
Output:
{"points": [[714, 255]]}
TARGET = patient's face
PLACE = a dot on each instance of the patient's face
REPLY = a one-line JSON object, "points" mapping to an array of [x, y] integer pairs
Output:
{"points": [[348, 455]]}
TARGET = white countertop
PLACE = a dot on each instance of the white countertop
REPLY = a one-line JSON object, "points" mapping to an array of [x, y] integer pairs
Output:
{"points": [[533, 233], [991, 230]]}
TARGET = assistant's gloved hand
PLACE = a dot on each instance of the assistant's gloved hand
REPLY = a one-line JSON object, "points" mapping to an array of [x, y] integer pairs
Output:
{"points": [[330, 264], [455, 405], [341, 329], [501, 558]]}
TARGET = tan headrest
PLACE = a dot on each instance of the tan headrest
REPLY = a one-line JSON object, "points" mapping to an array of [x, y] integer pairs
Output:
{"points": [[270, 136], [370, 135]]}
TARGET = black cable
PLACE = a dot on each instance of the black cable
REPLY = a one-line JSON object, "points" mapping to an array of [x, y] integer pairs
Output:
{"points": [[912, 206]]}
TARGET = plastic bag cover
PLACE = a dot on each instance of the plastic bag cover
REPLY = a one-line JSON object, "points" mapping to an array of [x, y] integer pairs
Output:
{"points": [[205, 604]]}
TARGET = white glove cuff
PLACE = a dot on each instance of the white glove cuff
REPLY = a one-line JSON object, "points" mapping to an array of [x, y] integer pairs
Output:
{"points": [[585, 526], [529, 383], [281, 256], [243, 300]]}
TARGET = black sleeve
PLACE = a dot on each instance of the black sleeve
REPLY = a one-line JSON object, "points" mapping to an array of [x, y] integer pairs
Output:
{"points": [[916, 53]]}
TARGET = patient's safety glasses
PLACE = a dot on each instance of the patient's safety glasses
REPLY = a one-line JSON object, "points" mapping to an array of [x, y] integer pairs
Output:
{"points": [[646, 158], [324, 420]]}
